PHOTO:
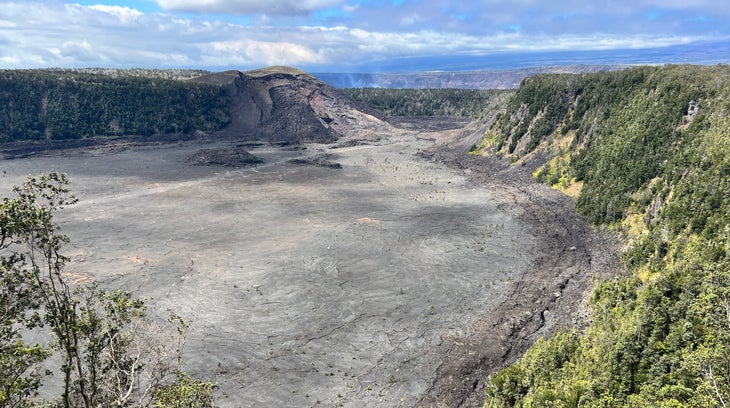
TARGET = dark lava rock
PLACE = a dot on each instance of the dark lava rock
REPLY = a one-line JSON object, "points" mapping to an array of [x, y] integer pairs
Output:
{"points": [[352, 142], [321, 160], [232, 157]]}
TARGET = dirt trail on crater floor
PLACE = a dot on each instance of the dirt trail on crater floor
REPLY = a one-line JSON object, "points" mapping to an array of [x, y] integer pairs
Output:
{"points": [[399, 279]]}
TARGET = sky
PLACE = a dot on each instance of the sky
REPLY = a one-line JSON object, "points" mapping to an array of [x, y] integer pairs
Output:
{"points": [[356, 35]]}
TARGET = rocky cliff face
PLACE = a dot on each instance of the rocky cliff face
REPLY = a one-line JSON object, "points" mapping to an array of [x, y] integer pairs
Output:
{"points": [[286, 105]]}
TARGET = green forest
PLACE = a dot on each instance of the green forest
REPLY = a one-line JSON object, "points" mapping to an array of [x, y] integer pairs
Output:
{"points": [[646, 152], [60, 104], [468, 103]]}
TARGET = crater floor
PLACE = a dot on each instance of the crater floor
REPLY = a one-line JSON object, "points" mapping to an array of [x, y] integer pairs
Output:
{"points": [[303, 285]]}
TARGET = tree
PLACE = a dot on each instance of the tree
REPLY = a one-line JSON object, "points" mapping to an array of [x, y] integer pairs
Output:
{"points": [[112, 355], [20, 301]]}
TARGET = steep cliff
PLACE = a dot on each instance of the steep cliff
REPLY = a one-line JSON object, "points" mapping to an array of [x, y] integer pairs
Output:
{"points": [[646, 151]]}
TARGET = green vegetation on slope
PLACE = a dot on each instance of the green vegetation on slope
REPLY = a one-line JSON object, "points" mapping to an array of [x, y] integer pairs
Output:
{"points": [[469, 103], [651, 148], [56, 104]]}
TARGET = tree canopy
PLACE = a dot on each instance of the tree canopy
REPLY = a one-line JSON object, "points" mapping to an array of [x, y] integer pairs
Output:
{"points": [[650, 148], [469, 103], [59, 104]]}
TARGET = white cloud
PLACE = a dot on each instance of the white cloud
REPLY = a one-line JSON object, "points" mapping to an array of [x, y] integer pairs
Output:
{"points": [[350, 8], [269, 53], [80, 50], [273, 7], [48, 35], [125, 15], [45, 34]]}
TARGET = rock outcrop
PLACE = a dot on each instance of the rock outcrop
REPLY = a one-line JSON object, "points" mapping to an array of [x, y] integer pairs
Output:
{"points": [[231, 157], [283, 104]]}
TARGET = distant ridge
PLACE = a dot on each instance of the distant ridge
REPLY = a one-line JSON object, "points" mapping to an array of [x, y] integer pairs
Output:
{"points": [[502, 79], [710, 52]]}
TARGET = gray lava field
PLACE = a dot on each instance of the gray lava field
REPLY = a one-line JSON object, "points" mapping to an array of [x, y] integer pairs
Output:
{"points": [[310, 285]]}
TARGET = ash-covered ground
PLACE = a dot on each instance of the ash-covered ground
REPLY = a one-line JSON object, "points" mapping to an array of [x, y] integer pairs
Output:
{"points": [[388, 281]]}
